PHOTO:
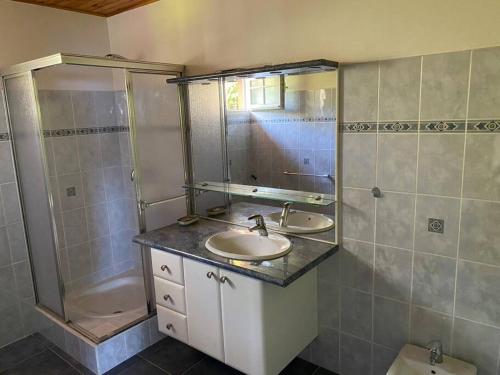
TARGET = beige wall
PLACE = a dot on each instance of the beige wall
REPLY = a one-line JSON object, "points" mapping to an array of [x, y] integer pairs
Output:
{"points": [[212, 34], [29, 31]]}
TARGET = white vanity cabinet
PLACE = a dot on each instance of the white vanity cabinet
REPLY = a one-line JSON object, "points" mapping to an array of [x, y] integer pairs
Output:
{"points": [[251, 325]]}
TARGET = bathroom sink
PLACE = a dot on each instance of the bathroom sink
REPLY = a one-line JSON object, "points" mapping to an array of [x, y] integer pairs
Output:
{"points": [[245, 245], [301, 222], [414, 360]]}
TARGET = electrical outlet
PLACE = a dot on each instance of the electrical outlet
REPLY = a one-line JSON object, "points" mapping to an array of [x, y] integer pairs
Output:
{"points": [[306, 161], [71, 191], [435, 225]]}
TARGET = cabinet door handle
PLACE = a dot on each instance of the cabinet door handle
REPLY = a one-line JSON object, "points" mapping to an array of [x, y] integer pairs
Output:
{"points": [[165, 267], [211, 274], [167, 297], [223, 279], [170, 326]]}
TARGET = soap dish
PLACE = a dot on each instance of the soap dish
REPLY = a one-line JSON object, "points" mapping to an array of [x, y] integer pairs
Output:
{"points": [[187, 220], [216, 211]]}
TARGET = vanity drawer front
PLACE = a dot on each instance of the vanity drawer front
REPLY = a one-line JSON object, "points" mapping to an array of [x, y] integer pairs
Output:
{"points": [[167, 266], [170, 295], [172, 323]]}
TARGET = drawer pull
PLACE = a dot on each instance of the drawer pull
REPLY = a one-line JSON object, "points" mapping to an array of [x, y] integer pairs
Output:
{"points": [[223, 279], [167, 297], [165, 267], [211, 274], [170, 326]]}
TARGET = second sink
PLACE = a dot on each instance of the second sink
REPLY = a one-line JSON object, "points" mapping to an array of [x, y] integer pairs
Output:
{"points": [[245, 245], [301, 222]]}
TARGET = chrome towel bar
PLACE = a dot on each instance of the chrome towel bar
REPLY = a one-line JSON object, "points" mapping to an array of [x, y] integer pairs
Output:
{"points": [[307, 174]]}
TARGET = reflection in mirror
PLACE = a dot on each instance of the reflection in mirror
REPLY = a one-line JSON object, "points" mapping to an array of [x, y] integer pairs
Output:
{"points": [[284, 137], [278, 132]]}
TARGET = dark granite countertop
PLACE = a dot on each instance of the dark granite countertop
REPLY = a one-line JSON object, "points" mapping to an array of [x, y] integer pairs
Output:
{"points": [[189, 242]]}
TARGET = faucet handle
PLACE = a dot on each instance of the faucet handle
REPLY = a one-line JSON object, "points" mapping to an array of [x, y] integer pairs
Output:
{"points": [[257, 217], [436, 352], [434, 345]]}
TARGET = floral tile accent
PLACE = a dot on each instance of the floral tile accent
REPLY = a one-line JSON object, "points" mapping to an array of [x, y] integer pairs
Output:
{"points": [[398, 127], [483, 126], [359, 127], [442, 127]]}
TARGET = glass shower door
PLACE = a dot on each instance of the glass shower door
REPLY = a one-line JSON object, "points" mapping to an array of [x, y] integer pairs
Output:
{"points": [[156, 138]]}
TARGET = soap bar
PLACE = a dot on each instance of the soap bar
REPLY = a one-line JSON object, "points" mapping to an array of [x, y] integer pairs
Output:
{"points": [[215, 211], [187, 220]]}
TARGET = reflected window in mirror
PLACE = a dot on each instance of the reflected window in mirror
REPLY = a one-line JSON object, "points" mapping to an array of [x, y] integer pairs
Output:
{"points": [[266, 93], [291, 147]]}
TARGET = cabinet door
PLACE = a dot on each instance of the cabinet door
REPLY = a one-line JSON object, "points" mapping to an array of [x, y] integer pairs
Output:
{"points": [[266, 326], [203, 307], [243, 322]]}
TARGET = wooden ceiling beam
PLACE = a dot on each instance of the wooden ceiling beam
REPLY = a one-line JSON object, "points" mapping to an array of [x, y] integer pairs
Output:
{"points": [[101, 8]]}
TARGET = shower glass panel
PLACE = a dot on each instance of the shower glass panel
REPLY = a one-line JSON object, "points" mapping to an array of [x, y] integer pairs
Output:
{"points": [[31, 174], [86, 135], [158, 138], [207, 141]]}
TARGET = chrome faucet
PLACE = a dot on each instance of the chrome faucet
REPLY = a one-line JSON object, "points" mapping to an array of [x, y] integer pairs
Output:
{"points": [[261, 225], [436, 349], [284, 214]]}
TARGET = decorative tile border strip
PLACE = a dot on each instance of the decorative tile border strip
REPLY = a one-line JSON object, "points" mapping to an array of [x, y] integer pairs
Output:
{"points": [[359, 127], [85, 131], [483, 126], [424, 127], [4, 137], [398, 127], [442, 126], [285, 120], [238, 122]]}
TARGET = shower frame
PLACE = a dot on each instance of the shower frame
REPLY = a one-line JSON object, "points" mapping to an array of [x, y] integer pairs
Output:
{"points": [[128, 67]]}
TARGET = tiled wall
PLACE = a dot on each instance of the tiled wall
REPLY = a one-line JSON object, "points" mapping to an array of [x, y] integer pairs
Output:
{"points": [[299, 139], [426, 131], [88, 153], [16, 291]]}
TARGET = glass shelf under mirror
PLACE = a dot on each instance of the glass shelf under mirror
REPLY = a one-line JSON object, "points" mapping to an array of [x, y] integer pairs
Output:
{"points": [[265, 193]]}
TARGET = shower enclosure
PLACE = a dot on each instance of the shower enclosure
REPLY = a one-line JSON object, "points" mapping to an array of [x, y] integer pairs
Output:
{"points": [[88, 136]]}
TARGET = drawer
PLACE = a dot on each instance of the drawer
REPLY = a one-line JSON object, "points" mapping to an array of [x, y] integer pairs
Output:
{"points": [[167, 266], [171, 295], [172, 323]]}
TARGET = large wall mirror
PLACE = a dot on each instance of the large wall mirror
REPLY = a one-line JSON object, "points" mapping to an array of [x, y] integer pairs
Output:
{"points": [[266, 144]]}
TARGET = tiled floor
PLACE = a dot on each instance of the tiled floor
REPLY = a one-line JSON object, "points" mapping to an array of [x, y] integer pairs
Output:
{"points": [[35, 356]]}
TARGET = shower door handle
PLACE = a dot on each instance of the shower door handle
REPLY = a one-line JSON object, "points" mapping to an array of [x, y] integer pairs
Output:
{"points": [[132, 175]]}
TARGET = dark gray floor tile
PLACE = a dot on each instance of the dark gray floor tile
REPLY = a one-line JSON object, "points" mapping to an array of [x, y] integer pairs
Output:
{"points": [[73, 362], [136, 366], [172, 356], [46, 363], [299, 367], [19, 351], [211, 366], [323, 371]]}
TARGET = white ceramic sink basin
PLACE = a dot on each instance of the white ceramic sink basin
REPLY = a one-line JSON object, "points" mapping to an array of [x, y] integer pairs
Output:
{"points": [[245, 245], [414, 360], [301, 222]]}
